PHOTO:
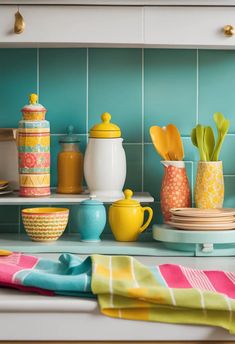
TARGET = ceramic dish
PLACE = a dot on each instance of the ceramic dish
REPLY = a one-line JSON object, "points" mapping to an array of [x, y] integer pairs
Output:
{"points": [[202, 227], [193, 212], [3, 183], [187, 219], [5, 192], [4, 187], [45, 224]]}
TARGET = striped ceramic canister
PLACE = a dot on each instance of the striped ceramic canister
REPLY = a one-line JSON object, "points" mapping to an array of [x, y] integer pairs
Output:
{"points": [[34, 150]]}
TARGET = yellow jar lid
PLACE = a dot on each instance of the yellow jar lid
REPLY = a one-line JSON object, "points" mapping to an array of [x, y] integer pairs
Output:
{"points": [[105, 129], [127, 201]]}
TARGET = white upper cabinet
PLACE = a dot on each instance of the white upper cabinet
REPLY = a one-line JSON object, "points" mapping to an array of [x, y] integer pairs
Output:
{"points": [[201, 27], [119, 26], [73, 25]]}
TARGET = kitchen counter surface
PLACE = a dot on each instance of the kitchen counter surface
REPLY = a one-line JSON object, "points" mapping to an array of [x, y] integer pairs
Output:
{"points": [[25, 316]]}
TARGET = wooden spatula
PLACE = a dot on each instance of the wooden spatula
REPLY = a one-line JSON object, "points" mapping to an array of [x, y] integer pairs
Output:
{"points": [[159, 139], [174, 143]]}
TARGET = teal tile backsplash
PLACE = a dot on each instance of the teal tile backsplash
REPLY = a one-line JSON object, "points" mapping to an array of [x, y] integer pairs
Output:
{"points": [[170, 89], [62, 87], [139, 87], [115, 86], [18, 77]]}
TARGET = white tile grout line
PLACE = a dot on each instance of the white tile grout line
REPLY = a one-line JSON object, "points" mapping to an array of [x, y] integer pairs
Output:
{"points": [[38, 62], [87, 91], [142, 115], [197, 86]]}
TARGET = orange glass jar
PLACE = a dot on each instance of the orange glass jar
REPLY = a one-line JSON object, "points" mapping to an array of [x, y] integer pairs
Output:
{"points": [[70, 164]]}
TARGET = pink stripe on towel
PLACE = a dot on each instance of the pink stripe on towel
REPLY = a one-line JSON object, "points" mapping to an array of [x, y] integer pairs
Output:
{"points": [[9, 265], [221, 282], [174, 277]]}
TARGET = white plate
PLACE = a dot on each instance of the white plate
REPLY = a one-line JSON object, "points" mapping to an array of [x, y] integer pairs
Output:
{"points": [[5, 192]]}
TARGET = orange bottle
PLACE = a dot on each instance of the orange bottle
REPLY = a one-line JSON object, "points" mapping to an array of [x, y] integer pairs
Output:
{"points": [[70, 164]]}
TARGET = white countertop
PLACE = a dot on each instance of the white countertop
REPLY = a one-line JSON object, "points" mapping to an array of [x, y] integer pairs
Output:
{"points": [[25, 316]]}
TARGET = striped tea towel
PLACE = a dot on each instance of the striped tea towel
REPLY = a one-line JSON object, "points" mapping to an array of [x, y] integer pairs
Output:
{"points": [[70, 275], [165, 293]]}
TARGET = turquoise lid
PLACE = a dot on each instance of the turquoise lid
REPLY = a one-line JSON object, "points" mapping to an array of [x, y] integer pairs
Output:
{"points": [[91, 202], [70, 137]]}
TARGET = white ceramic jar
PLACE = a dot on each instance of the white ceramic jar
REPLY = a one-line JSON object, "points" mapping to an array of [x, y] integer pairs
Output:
{"points": [[105, 160]]}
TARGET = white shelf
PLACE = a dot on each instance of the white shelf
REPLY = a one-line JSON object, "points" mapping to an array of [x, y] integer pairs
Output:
{"points": [[145, 246], [54, 198]]}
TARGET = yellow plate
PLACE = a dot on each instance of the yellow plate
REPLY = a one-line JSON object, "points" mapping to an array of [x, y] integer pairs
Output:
{"points": [[3, 182]]}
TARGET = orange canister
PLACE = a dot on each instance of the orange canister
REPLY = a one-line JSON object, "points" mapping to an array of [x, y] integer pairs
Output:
{"points": [[70, 164]]}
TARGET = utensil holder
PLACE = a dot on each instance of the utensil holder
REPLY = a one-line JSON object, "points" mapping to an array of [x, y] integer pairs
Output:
{"points": [[175, 190], [209, 187]]}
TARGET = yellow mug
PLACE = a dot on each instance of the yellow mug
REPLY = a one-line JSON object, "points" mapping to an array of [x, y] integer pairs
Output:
{"points": [[126, 218]]}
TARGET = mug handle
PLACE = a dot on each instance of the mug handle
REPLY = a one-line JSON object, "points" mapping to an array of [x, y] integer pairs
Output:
{"points": [[150, 211]]}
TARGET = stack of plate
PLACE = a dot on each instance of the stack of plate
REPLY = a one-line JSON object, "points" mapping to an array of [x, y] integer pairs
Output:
{"points": [[195, 219], [4, 187]]}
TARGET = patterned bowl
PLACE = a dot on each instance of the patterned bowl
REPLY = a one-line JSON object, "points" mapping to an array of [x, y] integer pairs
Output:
{"points": [[45, 224]]}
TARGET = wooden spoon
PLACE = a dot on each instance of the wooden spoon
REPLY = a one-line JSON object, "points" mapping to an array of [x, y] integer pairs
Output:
{"points": [[159, 139], [174, 143]]}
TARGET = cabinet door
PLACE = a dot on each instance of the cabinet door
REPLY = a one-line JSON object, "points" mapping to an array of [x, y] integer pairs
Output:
{"points": [[73, 25], [200, 27]]}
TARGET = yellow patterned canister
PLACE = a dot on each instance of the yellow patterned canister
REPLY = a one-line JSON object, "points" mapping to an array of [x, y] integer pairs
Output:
{"points": [[209, 188], [33, 140]]}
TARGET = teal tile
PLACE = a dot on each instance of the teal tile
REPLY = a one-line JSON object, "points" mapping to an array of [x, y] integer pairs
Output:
{"points": [[190, 151], [63, 88], [153, 172], [9, 219], [9, 213], [226, 155], [9, 228], [134, 167], [115, 86], [18, 78], [216, 85], [169, 89], [55, 149], [229, 196]]}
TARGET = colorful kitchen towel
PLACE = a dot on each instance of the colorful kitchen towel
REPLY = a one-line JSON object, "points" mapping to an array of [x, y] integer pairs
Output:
{"points": [[165, 293], [128, 289], [70, 275]]}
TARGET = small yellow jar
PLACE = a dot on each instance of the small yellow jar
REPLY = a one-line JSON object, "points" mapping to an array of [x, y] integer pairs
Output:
{"points": [[126, 218], [70, 164]]}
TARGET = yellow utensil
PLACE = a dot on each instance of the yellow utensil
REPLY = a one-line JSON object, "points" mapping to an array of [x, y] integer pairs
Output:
{"points": [[174, 143], [5, 253], [159, 139]]}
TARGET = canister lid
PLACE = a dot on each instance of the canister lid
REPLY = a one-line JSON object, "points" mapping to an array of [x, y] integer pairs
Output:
{"points": [[33, 105], [92, 202], [105, 129], [127, 201], [70, 137]]}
